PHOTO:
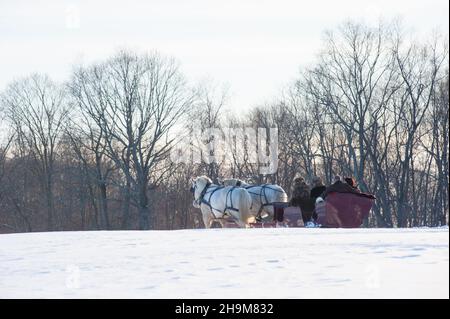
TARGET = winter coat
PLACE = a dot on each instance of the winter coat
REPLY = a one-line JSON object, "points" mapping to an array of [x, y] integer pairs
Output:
{"points": [[301, 198], [300, 191], [317, 191]]}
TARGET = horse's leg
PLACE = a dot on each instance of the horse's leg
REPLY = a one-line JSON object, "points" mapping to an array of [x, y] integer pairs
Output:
{"points": [[222, 223], [251, 219], [242, 224], [270, 211], [207, 219], [239, 220], [245, 221]]}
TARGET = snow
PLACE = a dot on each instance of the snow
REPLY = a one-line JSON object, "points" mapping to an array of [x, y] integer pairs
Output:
{"points": [[227, 263]]}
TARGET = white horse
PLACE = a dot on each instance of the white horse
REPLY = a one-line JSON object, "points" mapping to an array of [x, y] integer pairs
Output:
{"points": [[217, 201], [263, 197]]}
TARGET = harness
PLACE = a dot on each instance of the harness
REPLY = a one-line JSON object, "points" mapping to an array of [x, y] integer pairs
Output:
{"points": [[210, 193], [263, 197]]}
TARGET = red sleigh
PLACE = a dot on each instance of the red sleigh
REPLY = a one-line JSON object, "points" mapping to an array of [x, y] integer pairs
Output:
{"points": [[346, 210]]}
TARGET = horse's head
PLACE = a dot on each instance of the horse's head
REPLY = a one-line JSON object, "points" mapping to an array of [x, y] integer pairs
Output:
{"points": [[199, 185]]}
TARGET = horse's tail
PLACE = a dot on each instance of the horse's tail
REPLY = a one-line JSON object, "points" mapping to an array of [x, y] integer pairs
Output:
{"points": [[280, 195], [245, 204]]}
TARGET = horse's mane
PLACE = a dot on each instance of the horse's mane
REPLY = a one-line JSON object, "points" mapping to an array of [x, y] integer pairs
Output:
{"points": [[203, 180], [234, 182], [230, 181]]}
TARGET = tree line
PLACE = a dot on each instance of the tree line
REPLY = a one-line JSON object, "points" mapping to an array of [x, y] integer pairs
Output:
{"points": [[94, 152]]}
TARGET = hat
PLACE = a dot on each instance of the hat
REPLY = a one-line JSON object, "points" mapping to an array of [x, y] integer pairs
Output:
{"points": [[316, 180], [299, 179]]}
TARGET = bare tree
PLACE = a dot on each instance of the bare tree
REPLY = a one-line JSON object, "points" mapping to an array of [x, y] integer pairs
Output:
{"points": [[374, 105], [138, 100], [3, 159], [419, 68], [35, 108]]}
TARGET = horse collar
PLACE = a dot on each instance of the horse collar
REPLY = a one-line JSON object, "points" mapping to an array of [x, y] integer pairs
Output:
{"points": [[202, 194]]}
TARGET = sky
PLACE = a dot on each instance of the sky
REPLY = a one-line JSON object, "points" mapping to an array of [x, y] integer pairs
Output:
{"points": [[255, 48]]}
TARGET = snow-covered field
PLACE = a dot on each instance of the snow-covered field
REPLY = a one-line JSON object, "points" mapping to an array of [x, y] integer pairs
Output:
{"points": [[227, 263]]}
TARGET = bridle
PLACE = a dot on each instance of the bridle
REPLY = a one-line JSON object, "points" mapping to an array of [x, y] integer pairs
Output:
{"points": [[202, 194]]}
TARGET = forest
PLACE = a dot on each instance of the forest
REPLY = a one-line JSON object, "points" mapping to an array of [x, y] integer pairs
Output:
{"points": [[94, 152]]}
